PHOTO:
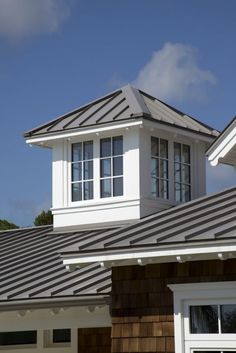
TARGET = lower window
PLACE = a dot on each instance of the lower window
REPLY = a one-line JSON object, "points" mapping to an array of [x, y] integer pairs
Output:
{"points": [[57, 337], [18, 338], [205, 317]]}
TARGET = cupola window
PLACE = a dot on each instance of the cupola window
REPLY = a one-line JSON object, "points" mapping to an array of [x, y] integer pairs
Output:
{"points": [[111, 166], [159, 168], [82, 171], [182, 181]]}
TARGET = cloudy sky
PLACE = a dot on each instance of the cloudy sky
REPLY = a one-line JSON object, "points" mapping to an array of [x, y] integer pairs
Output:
{"points": [[58, 54]]}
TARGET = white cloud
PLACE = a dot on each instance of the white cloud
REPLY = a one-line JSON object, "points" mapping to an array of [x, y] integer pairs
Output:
{"points": [[173, 73], [23, 18]]}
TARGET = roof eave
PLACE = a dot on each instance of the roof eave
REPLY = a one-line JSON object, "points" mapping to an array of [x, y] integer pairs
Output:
{"points": [[49, 302], [147, 254]]}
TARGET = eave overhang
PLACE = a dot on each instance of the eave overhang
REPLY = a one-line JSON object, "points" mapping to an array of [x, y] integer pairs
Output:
{"points": [[47, 139], [223, 149], [62, 302], [147, 254]]}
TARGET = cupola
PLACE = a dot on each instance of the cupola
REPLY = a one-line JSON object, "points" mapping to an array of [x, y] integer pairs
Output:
{"points": [[122, 157]]}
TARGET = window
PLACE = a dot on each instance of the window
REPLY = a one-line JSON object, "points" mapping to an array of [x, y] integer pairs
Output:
{"points": [[61, 335], [159, 168], [213, 318], [182, 182], [57, 337], [82, 171], [205, 317], [111, 166], [18, 338]]}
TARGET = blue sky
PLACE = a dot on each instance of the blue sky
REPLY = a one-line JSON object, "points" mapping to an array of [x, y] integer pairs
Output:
{"points": [[58, 54]]}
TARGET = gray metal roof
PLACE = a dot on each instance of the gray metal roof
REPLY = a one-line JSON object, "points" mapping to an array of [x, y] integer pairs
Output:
{"points": [[124, 104], [31, 267], [31, 264], [206, 219]]}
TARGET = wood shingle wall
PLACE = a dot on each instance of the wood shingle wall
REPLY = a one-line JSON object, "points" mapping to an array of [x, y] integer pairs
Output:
{"points": [[142, 304], [94, 340]]}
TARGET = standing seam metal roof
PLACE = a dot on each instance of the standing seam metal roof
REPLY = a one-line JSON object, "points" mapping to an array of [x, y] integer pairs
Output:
{"points": [[31, 267], [124, 104], [208, 218]]}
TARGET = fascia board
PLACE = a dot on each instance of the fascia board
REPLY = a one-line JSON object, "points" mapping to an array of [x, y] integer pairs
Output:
{"points": [[223, 148], [53, 303], [171, 252], [205, 286], [80, 132], [196, 135]]}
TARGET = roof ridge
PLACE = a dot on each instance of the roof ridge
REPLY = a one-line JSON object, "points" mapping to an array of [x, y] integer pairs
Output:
{"points": [[135, 101]]}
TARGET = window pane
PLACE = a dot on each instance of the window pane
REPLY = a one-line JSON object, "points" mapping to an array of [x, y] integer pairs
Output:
{"points": [[155, 146], [185, 174], [177, 172], [19, 337], [117, 145], [77, 192], [177, 192], [154, 167], [88, 190], [88, 150], [118, 166], [88, 170], [76, 152], [185, 193], [76, 171], [105, 167], [204, 319], [228, 318], [185, 154], [117, 186], [177, 152], [163, 169], [61, 335], [106, 188], [155, 187], [163, 148], [164, 189], [105, 147]]}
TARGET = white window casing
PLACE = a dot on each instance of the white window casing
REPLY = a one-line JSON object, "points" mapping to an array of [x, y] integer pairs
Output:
{"points": [[210, 293]]}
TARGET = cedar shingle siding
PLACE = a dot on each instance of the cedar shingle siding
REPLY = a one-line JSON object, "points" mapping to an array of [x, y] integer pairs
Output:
{"points": [[142, 304], [94, 340]]}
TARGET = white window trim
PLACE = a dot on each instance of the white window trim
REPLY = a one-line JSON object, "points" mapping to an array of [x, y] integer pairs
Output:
{"points": [[96, 172], [182, 140], [204, 293]]}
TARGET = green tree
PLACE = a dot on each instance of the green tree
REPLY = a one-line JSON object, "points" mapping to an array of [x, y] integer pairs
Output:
{"points": [[44, 218], [4, 225]]}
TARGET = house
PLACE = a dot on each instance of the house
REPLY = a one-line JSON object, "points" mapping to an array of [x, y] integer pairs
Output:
{"points": [[138, 258]]}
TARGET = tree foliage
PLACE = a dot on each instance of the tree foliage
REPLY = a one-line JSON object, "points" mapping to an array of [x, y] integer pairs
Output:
{"points": [[5, 225], [44, 218]]}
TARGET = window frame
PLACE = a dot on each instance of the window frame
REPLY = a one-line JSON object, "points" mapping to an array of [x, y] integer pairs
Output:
{"points": [[48, 339], [206, 293], [112, 176], [20, 346], [182, 164], [83, 180], [159, 159]]}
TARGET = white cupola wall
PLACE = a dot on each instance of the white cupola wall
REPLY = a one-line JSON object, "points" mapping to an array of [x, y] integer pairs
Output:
{"points": [[121, 158]]}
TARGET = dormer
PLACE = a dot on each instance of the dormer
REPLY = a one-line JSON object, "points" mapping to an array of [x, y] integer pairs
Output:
{"points": [[121, 158]]}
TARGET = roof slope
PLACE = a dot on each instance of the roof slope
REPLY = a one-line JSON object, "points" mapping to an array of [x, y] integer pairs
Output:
{"points": [[124, 104], [31, 267], [208, 218]]}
